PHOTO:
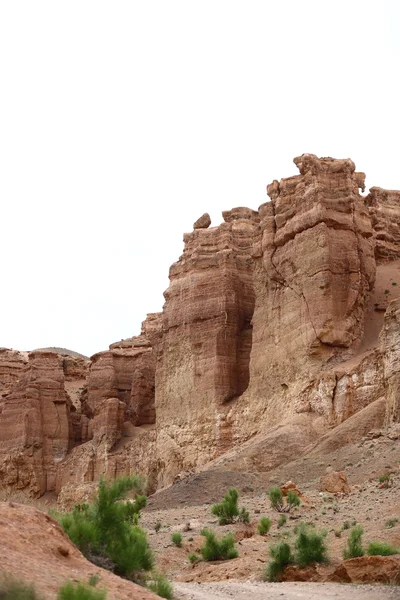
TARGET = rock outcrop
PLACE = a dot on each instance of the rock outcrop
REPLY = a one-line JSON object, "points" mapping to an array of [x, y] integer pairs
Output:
{"points": [[34, 426], [268, 338], [12, 363]]}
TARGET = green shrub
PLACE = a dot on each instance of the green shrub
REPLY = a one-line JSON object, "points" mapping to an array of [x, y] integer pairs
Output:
{"points": [[310, 546], [177, 539], [282, 521], [281, 557], [107, 531], [80, 591], [157, 526], [214, 549], [15, 589], [161, 586], [292, 499], [385, 480], [228, 509], [264, 526], [381, 549], [354, 543], [193, 558], [244, 516], [276, 498], [346, 525]]}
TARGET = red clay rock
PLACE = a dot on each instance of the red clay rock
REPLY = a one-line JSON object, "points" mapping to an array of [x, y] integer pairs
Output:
{"points": [[34, 426], [369, 569], [334, 482], [385, 216], [34, 548]]}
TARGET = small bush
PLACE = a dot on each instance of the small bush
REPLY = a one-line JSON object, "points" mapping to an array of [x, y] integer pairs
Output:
{"points": [[14, 589], [161, 586], [354, 543], [310, 546], [381, 549], [228, 509], [214, 549], [277, 500], [177, 539], [80, 591], [193, 558], [157, 526], [293, 499], [107, 530], [281, 555], [282, 521], [385, 480], [346, 525], [264, 526], [392, 522], [244, 516]]}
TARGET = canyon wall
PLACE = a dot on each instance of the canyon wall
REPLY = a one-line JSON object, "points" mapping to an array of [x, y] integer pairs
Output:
{"points": [[268, 335]]}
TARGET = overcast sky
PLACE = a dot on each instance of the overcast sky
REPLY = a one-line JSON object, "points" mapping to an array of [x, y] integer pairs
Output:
{"points": [[121, 122]]}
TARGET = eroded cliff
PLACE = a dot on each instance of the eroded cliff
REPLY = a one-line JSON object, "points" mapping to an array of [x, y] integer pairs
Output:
{"points": [[269, 334]]}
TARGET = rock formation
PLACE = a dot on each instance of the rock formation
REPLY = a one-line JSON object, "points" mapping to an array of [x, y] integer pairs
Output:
{"points": [[34, 426], [268, 338]]}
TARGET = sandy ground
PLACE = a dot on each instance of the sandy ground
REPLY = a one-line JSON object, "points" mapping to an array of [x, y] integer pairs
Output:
{"points": [[283, 591]]}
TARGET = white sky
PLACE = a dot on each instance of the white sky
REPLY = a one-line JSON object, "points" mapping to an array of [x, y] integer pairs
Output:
{"points": [[121, 122]]}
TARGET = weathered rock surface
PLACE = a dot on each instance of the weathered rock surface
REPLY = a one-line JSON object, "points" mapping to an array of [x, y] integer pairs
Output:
{"points": [[385, 217], [268, 339], [34, 426], [34, 548], [12, 363], [334, 482], [202, 222]]}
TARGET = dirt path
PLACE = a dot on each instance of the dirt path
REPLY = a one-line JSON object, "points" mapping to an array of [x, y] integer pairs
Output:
{"points": [[283, 591]]}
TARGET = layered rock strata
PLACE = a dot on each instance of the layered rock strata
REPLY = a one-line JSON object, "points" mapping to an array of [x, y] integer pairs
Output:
{"points": [[34, 426]]}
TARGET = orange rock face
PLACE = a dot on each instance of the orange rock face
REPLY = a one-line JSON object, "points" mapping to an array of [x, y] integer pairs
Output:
{"points": [[335, 483], [34, 426], [270, 318]]}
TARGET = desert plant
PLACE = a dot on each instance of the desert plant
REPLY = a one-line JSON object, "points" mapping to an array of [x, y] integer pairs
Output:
{"points": [[381, 549], [354, 543], [277, 499], [310, 546], [80, 591], [157, 526], [392, 522], [214, 549], [385, 480], [244, 516], [281, 555], [16, 589], [227, 510], [193, 558], [293, 499], [346, 525], [282, 521], [177, 539], [264, 526], [161, 586], [106, 530]]}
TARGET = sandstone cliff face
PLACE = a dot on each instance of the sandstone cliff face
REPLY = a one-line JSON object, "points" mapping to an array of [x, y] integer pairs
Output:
{"points": [[34, 426], [12, 363], [269, 330], [204, 352], [257, 307], [385, 217]]}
